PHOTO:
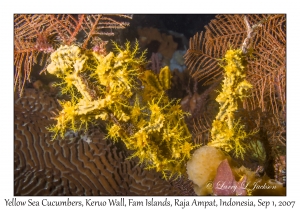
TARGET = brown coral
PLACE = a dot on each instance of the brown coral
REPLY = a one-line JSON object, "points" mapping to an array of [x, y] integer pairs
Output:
{"points": [[37, 35], [167, 45], [265, 108], [73, 166]]}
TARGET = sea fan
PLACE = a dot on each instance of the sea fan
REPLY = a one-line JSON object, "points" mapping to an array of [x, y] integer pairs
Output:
{"points": [[37, 35], [266, 69]]}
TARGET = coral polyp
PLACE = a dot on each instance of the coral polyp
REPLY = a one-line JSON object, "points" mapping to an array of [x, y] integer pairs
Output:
{"points": [[133, 103]]}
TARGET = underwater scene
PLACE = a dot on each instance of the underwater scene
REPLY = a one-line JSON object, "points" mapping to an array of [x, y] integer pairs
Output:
{"points": [[151, 105]]}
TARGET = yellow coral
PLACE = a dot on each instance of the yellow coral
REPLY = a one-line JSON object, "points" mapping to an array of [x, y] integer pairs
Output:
{"points": [[227, 132], [133, 103], [165, 78]]}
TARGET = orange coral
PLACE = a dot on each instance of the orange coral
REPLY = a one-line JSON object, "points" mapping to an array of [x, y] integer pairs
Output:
{"points": [[167, 45]]}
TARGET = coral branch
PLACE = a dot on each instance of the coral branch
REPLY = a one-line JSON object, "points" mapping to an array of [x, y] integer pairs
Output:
{"points": [[42, 34], [134, 104]]}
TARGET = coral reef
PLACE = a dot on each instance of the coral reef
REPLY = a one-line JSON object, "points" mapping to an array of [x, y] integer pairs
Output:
{"points": [[236, 129], [133, 104], [265, 106], [73, 166], [112, 127], [227, 132], [37, 35]]}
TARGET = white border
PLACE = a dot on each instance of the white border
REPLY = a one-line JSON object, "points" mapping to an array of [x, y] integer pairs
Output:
{"points": [[139, 7]]}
